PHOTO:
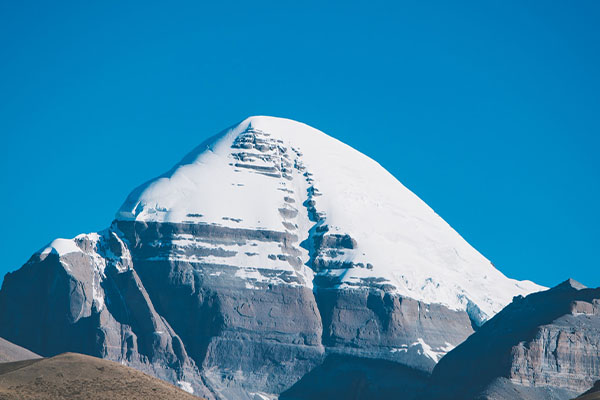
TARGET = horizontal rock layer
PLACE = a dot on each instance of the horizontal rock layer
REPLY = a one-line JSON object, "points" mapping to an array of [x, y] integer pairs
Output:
{"points": [[268, 252], [135, 294], [546, 345]]}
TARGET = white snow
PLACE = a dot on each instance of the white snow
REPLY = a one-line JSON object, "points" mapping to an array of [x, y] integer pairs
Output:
{"points": [[421, 348], [98, 276], [401, 349], [246, 258], [261, 396], [406, 242], [61, 247], [186, 386], [448, 347], [426, 350]]}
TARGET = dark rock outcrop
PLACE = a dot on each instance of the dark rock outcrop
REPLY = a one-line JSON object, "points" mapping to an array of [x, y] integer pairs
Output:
{"points": [[92, 302], [545, 345], [592, 394], [346, 377]]}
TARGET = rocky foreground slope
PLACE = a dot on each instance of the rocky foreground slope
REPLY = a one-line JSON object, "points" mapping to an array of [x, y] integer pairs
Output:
{"points": [[543, 346], [270, 252]]}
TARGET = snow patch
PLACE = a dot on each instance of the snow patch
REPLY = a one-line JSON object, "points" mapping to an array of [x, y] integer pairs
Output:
{"points": [[261, 396], [61, 247], [401, 349], [186, 386], [422, 348], [434, 354]]}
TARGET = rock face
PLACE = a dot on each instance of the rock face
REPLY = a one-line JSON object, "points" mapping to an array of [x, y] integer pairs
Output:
{"points": [[545, 345], [376, 324], [270, 251], [84, 296]]}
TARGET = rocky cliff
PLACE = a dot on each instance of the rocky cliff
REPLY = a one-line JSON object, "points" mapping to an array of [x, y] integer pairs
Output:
{"points": [[545, 345], [270, 252]]}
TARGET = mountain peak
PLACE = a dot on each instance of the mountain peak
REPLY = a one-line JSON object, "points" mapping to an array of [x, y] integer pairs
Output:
{"points": [[279, 175], [270, 238], [570, 284]]}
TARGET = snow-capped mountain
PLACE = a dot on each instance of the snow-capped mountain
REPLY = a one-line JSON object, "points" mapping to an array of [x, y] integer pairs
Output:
{"points": [[362, 226], [266, 250]]}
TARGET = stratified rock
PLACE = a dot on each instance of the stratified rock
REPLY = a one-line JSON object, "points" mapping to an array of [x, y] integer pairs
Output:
{"points": [[84, 296], [379, 325], [269, 249], [545, 345]]}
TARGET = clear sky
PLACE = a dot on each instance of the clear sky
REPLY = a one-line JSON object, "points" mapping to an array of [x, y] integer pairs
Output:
{"points": [[488, 110]]}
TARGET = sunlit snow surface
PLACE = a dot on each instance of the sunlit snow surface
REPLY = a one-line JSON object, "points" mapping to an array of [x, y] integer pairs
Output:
{"points": [[61, 247], [186, 386], [294, 170]]}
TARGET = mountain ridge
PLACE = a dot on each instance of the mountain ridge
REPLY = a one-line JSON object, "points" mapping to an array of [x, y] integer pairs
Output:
{"points": [[77, 376], [10, 352], [544, 343], [289, 142], [267, 250]]}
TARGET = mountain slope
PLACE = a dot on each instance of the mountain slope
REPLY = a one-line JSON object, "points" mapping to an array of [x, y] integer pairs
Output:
{"points": [[268, 249], [545, 345], [11, 352], [260, 175], [592, 394], [76, 376]]}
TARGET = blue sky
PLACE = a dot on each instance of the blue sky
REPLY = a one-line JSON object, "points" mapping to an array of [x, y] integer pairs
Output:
{"points": [[489, 111]]}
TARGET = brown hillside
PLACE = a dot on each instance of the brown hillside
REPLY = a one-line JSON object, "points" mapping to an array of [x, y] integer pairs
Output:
{"points": [[76, 376], [592, 394]]}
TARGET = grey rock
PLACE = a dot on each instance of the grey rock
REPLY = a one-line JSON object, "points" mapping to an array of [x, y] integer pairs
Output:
{"points": [[132, 295], [545, 345], [592, 394], [346, 377], [380, 325], [83, 302], [10, 352], [237, 312]]}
